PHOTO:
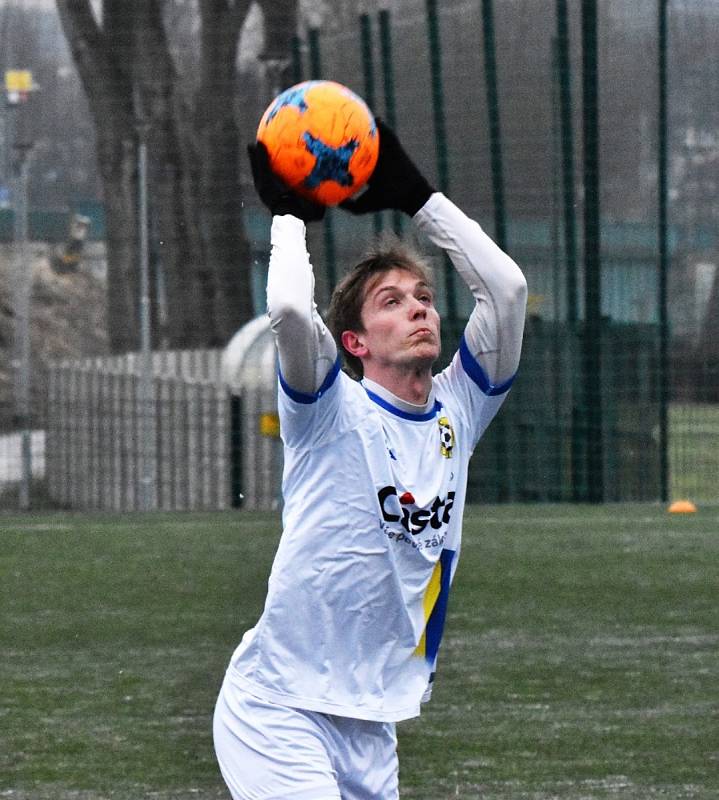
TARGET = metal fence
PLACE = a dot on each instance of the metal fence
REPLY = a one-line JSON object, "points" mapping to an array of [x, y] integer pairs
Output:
{"points": [[597, 170], [189, 444], [110, 447]]}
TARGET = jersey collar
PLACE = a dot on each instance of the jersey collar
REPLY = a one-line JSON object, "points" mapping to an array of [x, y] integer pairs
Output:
{"points": [[401, 408]]}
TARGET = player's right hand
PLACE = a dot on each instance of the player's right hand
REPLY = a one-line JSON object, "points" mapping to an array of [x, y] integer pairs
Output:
{"points": [[396, 182], [275, 193]]}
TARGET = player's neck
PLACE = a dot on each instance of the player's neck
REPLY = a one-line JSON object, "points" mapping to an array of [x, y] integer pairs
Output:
{"points": [[413, 386]]}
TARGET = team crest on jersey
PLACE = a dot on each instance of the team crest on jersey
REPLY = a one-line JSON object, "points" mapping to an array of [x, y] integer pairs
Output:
{"points": [[446, 437]]}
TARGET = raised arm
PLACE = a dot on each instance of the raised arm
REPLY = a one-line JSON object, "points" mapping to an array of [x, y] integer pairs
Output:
{"points": [[494, 331], [307, 351]]}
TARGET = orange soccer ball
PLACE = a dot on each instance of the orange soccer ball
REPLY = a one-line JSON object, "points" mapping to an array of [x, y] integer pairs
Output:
{"points": [[322, 140]]}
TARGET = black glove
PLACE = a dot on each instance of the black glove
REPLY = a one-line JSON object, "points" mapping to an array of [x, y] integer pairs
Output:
{"points": [[275, 193], [396, 182]]}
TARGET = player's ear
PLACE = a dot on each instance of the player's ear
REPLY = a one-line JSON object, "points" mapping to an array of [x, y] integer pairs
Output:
{"points": [[354, 344]]}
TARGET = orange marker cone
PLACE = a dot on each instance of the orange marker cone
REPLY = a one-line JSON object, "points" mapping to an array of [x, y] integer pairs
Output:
{"points": [[682, 507]]}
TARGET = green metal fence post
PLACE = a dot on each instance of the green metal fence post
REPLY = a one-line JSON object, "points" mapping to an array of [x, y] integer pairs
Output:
{"points": [[296, 62], [390, 103], [567, 139], [506, 487], [495, 132], [440, 137], [440, 130], [369, 86], [236, 450], [558, 380], [592, 344], [329, 233], [566, 133], [663, 259]]}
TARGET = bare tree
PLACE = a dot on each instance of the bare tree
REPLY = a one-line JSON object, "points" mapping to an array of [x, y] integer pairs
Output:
{"points": [[125, 62]]}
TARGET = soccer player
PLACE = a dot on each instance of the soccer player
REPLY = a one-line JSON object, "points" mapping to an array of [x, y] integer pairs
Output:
{"points": [[374, 487]]}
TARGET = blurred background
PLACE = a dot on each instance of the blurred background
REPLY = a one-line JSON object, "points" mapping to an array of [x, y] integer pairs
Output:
{"points": [[581, 135]]}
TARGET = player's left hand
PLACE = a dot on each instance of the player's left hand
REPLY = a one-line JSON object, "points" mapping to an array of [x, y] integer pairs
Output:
{"points": [[275, 193], [395, 183]]}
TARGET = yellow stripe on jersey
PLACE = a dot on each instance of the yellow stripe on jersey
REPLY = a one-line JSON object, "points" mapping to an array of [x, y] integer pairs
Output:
{"points": [[431, 595]]}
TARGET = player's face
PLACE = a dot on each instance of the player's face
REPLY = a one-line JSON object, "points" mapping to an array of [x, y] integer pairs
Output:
{"points": [[401, 324]]}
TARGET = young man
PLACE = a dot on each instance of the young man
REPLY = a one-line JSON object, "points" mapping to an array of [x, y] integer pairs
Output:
{"points": [[374, 488]]}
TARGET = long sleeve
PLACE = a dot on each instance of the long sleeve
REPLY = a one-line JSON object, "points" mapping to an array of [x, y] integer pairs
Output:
{"points": [[307, 351], [495, 327]]}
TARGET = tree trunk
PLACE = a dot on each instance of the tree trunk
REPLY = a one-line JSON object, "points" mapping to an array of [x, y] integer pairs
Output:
{"points": [[118, 168], [172, 183], [193, 164], [98, 57], [229, 282]]}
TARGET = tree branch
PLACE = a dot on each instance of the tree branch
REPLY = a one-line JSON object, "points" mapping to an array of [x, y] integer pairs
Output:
{"points": [[280, 26], [78, 21], [236, 15], [105, 82]]}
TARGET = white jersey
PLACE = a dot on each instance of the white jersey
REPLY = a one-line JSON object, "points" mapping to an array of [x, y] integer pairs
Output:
{"points": [[374, 492], [372, 527]]}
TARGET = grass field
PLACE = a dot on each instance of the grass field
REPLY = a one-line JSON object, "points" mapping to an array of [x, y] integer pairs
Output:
{"points": [[581, 656]]}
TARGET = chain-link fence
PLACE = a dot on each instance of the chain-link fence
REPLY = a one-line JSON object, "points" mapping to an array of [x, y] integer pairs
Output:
{"points": [[581, 136]]}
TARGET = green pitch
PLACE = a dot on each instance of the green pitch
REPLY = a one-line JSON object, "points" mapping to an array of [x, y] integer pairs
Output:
{"points": [[581, 655]]}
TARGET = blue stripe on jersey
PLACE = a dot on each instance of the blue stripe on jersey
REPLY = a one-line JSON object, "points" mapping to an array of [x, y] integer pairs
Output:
{"points": [[302, 397], [404, 414], [478, 375], [435, 623]]}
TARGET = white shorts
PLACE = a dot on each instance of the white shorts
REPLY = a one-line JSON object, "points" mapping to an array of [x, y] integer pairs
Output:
{"points": [[273, 752]]}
